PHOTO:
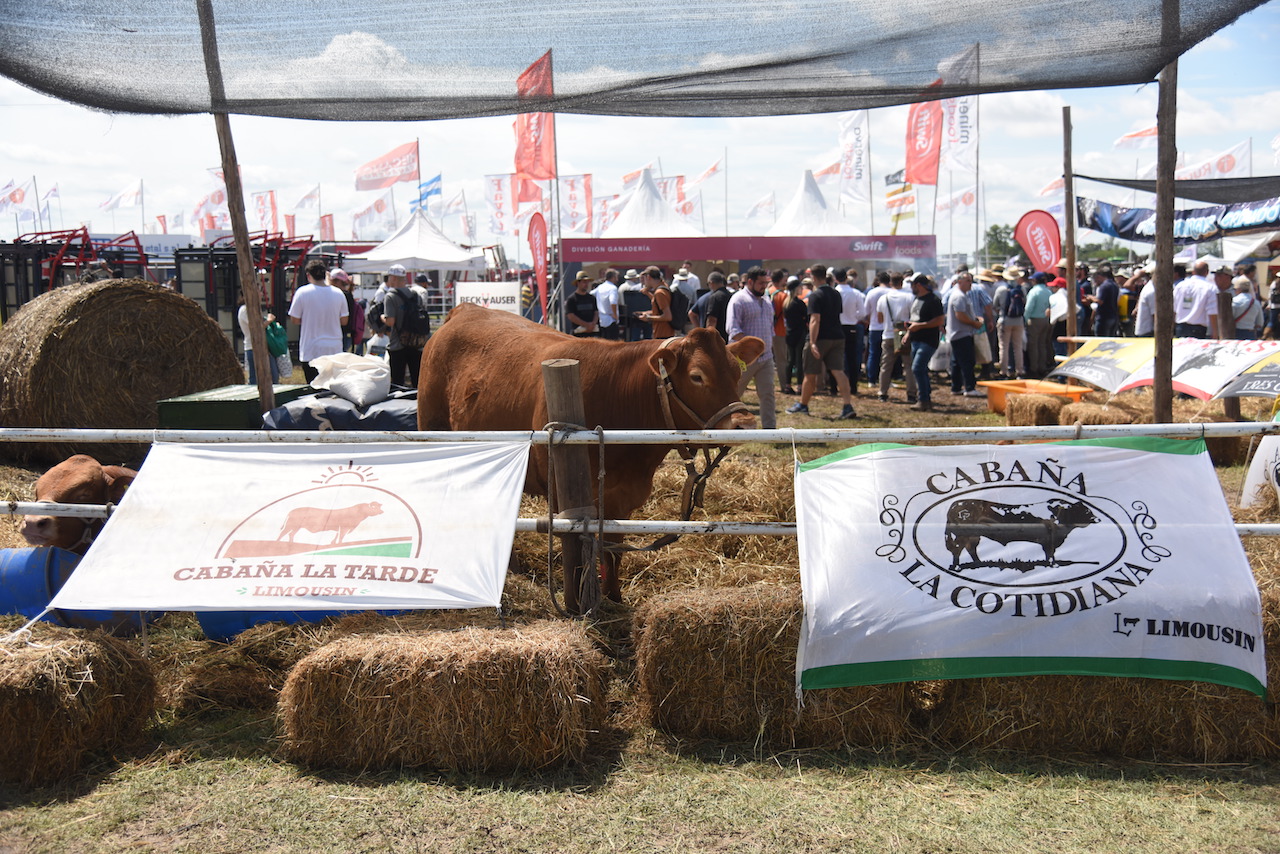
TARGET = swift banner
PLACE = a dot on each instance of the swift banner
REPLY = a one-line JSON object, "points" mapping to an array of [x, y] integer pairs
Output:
{"points": [[1037, 233], [294, 527], [1078, 558], [1193, 225]]}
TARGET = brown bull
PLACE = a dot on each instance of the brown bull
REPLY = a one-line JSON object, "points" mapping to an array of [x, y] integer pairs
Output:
{"points": [[483, 371], [76, 480]]}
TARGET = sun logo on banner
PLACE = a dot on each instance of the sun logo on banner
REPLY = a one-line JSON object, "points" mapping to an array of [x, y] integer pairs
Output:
{"points": [[344, 514]]}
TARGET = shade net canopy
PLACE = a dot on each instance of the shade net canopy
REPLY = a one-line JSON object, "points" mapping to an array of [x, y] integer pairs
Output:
{"points": [[1218, 191], [433, 59]]}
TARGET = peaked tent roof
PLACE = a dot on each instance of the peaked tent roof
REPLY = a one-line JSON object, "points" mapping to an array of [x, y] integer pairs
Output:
{"points": [[647, 214], [807, 213], [418, 245]]}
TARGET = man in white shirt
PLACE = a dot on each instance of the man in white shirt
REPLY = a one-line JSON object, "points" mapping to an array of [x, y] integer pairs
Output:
{"points": [[893, 312], [1195, 300], [606, 294], [875, 325], [853, 308], [1144, 318], [694, 281], [321, 310]]}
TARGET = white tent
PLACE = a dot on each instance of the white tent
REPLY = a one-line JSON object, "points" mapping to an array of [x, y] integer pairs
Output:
{"points": [[1240, 247], [807, 213], [647, 214], [418, 245]]}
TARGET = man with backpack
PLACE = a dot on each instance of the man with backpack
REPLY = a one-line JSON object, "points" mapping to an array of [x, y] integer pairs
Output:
{"points": [[408, 326], [1011, 309]]}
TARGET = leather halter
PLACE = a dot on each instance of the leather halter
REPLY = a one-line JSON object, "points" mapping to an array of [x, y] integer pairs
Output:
{"points": [[667, 393]]}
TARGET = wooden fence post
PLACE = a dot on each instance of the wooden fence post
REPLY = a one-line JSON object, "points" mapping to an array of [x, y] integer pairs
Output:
{"points": [[562, 382]]}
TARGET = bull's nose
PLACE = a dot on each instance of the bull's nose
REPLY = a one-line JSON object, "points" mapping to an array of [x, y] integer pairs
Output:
{"points": [[742, 421]]}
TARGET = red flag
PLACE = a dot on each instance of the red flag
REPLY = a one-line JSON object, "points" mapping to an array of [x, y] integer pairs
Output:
{"points": [[536, 132], [537, 231], [924, 141], [1037, 233], [164, 223], [289, 220], [326, 227], [399, 164]]}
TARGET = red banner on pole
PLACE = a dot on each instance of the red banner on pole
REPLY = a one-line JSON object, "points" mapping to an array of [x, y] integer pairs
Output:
{"points": [[326, 227], [924, 142], [537, 231], [1038, 235], [399, 164], [536, 132]]}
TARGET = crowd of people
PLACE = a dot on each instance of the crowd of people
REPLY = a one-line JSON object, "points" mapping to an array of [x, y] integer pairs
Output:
{"points": [[829, 331]]}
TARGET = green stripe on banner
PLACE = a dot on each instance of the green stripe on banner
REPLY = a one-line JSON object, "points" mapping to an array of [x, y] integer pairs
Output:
{"points": [[914, 670], [849, 453], [1186, 447]]}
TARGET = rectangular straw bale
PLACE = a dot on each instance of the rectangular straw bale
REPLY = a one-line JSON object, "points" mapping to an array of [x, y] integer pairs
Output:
{"points": [[472, 700], [1093, 413], [720, 664], [64, 696], [1033, 410]]}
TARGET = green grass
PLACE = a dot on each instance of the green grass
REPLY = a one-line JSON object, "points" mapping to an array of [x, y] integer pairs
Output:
{"points": [[209, 787]]}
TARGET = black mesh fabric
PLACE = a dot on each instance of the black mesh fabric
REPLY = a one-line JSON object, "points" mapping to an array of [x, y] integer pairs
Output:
{"points": [[1217, 191], [429, 59]]}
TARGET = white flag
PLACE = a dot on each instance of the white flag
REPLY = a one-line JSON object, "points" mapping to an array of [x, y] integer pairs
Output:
{"points": [[855, 161], [993, 561], [500, 198], [129, 197], [20, 199], [958, 204], [292, 527], [377, 220], [690, 210], [1232, 163], [959, 135], [606, 210], [711, 170], [1145, 138], [575, 204], [766, 204], [828, 173], [455, 205]]}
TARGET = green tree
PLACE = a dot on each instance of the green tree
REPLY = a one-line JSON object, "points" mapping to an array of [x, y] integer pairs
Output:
{"points": [[998, 245]]}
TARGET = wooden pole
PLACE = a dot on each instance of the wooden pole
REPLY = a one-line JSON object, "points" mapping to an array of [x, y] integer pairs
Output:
{"points": [[562, 383], [1166, 157], [1227, 332], [235, 206], [1069, 210]]}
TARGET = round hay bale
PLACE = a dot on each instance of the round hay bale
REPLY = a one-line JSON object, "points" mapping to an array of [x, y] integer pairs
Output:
{"points": [[472, 700], [1092, 413], [65, 696], [101, 355], [721, 664], [1033, 410]]}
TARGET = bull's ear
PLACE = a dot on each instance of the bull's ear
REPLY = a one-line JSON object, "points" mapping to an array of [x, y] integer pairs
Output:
{"points": [[117, 482], [663, 356], [747, 349]]}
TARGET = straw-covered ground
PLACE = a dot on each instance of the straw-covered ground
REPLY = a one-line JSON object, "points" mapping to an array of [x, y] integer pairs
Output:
{"points": [[223, 765]]}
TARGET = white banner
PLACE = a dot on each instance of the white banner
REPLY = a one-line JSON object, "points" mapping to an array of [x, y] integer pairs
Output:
{"points": [[1071, 558], [377, 221], [959, 135], [500, 296], [690, 210], [671, 188], [855, 160], [300, 527], [500, 196], [575, 205], [1235, 162], [1201, 366]]}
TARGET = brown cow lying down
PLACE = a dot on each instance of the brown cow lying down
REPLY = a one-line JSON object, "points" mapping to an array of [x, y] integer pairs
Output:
{"points": [[75, 480], [483, 371]]}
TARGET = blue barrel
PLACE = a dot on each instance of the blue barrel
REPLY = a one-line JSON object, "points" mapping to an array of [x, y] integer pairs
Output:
{"points": [[222, 626], [31, 577]]}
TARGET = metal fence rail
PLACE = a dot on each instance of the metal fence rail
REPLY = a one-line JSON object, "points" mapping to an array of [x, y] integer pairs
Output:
{"points": [[636, 437]]}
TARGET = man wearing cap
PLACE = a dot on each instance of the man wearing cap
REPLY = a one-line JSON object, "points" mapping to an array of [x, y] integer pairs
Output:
{"points": [[924, 331], [1039, 330], [400, 300], [1010, 306], [963, 322], [694, 281], [580, 307], [659, 313], [1105, 300], [631, 281], [712, 308], [606, 294], [320, 310], [683, 280]]}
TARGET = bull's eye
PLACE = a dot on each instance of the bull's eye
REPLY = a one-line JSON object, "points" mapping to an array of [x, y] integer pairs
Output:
{"points": [[697, 378]]}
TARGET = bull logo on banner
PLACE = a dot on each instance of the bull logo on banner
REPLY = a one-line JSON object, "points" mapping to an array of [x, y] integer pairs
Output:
{"points": [[985, 532]]}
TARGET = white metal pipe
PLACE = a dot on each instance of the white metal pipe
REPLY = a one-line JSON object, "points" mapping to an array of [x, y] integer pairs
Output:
{"points": [[781, 436]]}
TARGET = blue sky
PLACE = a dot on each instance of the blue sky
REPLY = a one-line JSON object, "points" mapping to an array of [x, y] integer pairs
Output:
{"points": [[1229, 91]]}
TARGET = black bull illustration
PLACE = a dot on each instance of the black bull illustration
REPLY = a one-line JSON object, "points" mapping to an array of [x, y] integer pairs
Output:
{"points": [[1047, 523]]}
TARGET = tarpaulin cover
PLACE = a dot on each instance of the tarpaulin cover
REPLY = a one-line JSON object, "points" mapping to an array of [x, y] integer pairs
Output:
{"points": [[1218, 191], [384, 60]]}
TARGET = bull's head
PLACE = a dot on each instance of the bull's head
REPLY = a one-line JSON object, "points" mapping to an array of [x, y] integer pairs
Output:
{"points": [[77, 480], [1074, 513], [703, 373]]}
